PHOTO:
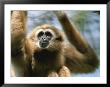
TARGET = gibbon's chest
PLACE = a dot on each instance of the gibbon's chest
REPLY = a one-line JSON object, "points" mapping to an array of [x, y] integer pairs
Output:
{"points": [[44, 61], [45, 56]]}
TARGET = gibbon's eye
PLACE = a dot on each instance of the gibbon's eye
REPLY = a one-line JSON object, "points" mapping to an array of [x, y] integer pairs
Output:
{"points": [[47, 33], [40, 34]]}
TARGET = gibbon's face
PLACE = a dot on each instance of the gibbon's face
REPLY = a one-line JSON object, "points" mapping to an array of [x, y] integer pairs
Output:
{"points": [[46, 37], [45, 41]]}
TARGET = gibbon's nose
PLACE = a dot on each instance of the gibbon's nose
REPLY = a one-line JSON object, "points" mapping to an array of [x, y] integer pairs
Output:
{"points": [[44, 42], [44, 39]]}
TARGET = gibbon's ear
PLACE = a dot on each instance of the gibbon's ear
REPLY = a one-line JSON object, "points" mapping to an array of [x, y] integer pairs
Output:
{"points": [[60, 38]]}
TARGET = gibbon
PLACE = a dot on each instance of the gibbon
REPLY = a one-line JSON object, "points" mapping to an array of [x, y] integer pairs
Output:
{"points": [[45, 53]]}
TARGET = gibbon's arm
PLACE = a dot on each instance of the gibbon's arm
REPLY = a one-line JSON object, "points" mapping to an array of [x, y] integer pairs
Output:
{"points": [[80, 57], [19, 63], [18, 32]]}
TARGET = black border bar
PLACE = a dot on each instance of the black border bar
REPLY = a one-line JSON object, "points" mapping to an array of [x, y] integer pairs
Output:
{"points": [[54, 1]]}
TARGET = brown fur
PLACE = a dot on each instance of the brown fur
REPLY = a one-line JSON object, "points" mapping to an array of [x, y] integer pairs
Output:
{"points": [[53, 55]]}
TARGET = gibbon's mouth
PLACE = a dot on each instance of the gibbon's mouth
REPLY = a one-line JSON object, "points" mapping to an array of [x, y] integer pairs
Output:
{"points": [[43, 44]]}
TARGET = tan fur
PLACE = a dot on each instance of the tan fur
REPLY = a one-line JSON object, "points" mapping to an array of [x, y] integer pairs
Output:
{"points": [[32, 47]]}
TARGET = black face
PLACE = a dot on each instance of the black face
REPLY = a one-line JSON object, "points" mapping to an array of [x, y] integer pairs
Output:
{"points": [[44, 38]]}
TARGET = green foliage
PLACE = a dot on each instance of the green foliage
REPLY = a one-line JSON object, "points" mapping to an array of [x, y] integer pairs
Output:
{"points": [[80, 19]]}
